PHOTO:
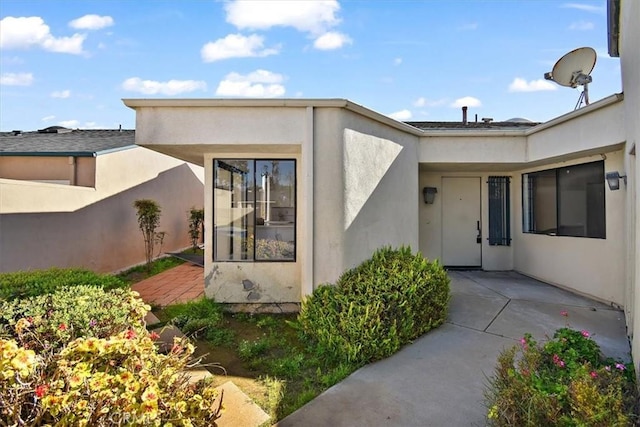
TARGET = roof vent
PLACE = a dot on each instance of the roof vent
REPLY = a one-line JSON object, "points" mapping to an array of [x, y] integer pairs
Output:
{"points": [[487, 119], [17, 132], [55, 129]]}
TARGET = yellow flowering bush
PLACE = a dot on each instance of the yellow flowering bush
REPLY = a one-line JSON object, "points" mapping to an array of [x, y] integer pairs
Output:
{"points": [[82, 366]]}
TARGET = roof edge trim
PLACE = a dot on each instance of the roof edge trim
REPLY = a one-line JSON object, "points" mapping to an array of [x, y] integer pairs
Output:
{"points": [[604, 102]]}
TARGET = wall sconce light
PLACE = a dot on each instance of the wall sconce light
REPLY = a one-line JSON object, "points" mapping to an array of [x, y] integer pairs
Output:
{"points": [[429, 194], [613, 180]]}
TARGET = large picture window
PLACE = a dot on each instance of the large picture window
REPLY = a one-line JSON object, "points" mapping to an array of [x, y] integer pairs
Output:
{"points": [[567, 201], [254, 210]]}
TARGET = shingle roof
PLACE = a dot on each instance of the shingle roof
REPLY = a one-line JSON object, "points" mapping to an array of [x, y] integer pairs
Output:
{"points": [[473, 125], [79, 143]]}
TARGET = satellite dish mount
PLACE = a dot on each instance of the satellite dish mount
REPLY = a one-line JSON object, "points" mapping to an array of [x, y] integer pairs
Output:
{"points": [[573, 70]]}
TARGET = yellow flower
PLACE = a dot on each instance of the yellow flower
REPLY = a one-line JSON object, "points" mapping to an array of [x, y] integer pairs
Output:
{"points": [[493, 412], [24, 361]]}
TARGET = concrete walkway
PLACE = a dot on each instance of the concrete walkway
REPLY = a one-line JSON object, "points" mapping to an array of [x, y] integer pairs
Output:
{"points": [[439, 380]]}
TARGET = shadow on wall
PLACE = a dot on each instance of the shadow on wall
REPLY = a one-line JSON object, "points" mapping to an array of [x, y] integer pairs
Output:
{"points": [[104, 236]]}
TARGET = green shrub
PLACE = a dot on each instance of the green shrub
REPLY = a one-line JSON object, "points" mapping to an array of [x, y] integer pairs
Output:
{"points": [[196, 318], [50, 321], [376, 308], [563, 382], [23, 284]]}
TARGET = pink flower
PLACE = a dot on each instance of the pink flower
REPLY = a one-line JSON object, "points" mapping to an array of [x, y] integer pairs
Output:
{"points": [[620, 366], [593, 374], [564, 313], [585, 334], [557, 361], [62, 327], [154, 335], [607, 368], [130, 334]]}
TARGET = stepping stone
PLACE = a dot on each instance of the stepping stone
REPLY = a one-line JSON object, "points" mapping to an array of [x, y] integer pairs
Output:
{"points": [[240, 410]]}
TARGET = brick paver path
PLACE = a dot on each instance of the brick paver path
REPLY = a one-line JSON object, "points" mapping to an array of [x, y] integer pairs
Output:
{"points": [[179, 284]]}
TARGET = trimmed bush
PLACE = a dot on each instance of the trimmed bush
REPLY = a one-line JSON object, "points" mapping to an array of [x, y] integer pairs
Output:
{"points": [[51, 321], [24, 284], [563, 382], [376, 308]]}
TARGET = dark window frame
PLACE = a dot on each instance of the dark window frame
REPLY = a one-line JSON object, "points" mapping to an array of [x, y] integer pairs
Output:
{"points": [[253, 259], [562, 229]]}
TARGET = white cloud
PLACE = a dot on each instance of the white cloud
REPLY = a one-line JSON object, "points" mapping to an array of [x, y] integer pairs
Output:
{"points": [[585, 7], [61, 94], [401, 115], [48, 118], [581, 26], [16, 79], [236, 46], [521, 85], [171, 87], [397, 61], [258, 84], [306, 16], [316, 18], [69, 123], [26, 32], [331, 40], [424, 102], [467, 101], [91, 22]]}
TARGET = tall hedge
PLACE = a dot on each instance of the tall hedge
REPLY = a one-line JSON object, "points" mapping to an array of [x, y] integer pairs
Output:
{"points": [[376, 308]]}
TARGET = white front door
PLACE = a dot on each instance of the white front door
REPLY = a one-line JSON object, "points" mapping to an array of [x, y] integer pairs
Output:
{"points": [[461, 233]]}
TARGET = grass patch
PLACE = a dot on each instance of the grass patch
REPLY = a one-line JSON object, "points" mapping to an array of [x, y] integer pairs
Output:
{"points": [[140, 272]]}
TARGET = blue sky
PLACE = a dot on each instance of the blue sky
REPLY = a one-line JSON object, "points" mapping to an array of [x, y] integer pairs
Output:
{"points": [[70, 63]]}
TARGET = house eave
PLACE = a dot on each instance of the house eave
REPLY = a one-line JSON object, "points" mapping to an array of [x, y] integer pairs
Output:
{"points": [[135, 103], [605, 102]]}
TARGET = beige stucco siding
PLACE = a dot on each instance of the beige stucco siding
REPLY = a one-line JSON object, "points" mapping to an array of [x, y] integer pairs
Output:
{"points": [[78, 171], [45, 225], [379, 190], [589, 266], [594, 130], [630, 64], [494, 258]]}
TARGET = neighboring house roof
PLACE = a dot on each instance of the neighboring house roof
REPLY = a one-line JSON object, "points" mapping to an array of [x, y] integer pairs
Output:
{"points": [[514, 124], [59, 141]]}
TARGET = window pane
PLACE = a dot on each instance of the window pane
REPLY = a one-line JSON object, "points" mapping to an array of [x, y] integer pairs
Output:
{"points": [[539, 205], [275, 209], [581, 200], [233, 210], [571, 197]]}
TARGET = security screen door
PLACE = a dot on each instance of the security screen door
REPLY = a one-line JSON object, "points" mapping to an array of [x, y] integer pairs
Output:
{"points": [[461, 226]]}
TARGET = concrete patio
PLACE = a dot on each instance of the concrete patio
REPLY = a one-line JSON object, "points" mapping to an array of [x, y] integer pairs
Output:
{"points": [[439, 380]]}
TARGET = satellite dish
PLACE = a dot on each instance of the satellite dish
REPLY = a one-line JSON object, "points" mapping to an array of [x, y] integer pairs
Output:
{"points": [[574, 69]]}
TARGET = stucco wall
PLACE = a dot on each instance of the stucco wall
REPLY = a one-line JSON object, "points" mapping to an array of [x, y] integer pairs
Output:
{"points": [[593, 267], [630, 63], [365, 190], [75, 170], [45, 225]]}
